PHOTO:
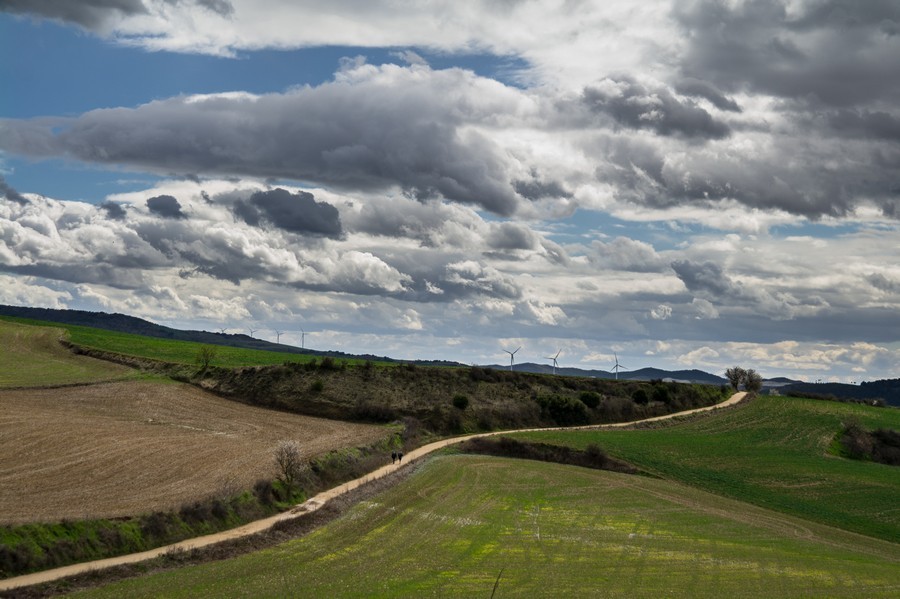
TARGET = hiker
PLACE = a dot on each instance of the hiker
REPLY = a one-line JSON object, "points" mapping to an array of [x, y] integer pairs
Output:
{"points": [[400, 457], [393, 457]]}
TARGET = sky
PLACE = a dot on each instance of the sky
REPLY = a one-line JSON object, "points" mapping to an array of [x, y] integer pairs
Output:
{"points": [[692, 184]]}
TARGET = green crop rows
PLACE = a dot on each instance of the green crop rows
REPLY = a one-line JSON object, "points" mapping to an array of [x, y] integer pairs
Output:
{"points": [[32, 356], [774, 453], [552, 531], [168, 350]]}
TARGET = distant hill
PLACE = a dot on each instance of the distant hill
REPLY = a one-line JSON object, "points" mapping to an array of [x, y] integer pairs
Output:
{"points": [[887, 390], [123, 323], [643, 374]]}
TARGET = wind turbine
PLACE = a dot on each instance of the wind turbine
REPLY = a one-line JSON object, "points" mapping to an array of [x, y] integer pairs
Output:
{"points": [[223, 331], [511, 354], [302, 338], [555, 364], [618, 366], [252, 331], [278, 335]]}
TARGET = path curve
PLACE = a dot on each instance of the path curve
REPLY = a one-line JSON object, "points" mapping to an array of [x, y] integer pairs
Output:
{"points": [[310, 505]]}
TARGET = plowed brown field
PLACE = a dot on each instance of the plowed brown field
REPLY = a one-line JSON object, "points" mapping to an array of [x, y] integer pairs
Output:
{"points": [[128, 448]]}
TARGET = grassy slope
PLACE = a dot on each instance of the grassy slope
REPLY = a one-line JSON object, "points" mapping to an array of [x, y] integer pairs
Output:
{"points": [[773, 452], [179, 352], [554, 531], [32, 356]]}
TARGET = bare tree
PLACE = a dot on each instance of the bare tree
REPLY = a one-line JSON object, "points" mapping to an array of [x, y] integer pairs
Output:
{"points": [[735, 376], [290, 463], [752, 381]]}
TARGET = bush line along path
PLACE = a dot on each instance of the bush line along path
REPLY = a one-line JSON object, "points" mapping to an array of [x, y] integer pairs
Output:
{"points": [[310, 505]]}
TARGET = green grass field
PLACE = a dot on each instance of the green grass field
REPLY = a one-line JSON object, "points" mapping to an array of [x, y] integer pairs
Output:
{"points": [[772, 452], [553, 531], [32, 356], [167, 350]]}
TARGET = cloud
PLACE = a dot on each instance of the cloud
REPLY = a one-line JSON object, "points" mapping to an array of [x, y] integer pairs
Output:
{"points": [[864, 124], [705, 309], [372, 129], [703, 89], [512, 236], [11, 194], [661, 312], [471, 275], [709, 281], [294, 212], [833, 52], [102, 15], [113, 210], [884, 283], [165, 206], [623, 253], [634, 105]]}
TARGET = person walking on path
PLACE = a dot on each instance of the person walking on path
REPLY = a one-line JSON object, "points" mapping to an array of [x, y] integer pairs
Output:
{"points": [[399, 457], [393, 457]]}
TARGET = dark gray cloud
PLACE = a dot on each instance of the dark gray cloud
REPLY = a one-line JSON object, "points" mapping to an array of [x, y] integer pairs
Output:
{"points": [[512, 236], [879, 281], [704, 278], [703, 89], [294, 212], [373, 130], [113, 210], [97, 14], [711, 282], [865, 124], [11, 194], [633, 105], [787, 175], [98, 274], [90, 14], [831, 52], [165, 206], [535, 189]]}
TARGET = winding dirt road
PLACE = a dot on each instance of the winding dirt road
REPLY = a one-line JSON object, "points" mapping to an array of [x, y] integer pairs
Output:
{"points": [[306, 507]]}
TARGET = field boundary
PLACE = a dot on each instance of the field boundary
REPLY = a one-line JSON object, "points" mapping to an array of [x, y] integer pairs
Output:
{"points": [[309, 506]]}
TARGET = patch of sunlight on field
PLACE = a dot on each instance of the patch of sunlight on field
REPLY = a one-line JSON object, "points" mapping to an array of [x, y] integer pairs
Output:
{"points": [[32, 356], [552, 531]]}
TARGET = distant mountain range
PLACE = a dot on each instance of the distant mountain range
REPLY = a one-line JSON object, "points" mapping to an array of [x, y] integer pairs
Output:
{"points": [[643, 374], [887, 390]]}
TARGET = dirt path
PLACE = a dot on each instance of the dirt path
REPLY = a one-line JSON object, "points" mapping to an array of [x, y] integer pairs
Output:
{"points": [[308, 506]]}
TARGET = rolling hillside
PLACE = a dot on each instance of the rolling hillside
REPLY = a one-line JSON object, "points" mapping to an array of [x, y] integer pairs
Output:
{"points": [[774, 452], [32, 356], [470, 526]]}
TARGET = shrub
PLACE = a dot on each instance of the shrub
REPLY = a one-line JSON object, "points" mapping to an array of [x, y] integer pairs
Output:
{"points": [[590, 398], [205, 355], [194, 513], [156, 525], [318, 386], [264, 492], [372, 411], [640, 396], [661, 393], [460, 402], [564, 411]]}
